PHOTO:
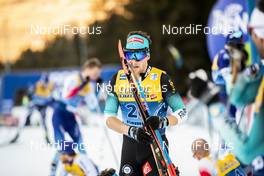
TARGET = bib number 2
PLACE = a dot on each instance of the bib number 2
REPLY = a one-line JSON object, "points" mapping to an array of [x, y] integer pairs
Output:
{"points": [[132, 111]]}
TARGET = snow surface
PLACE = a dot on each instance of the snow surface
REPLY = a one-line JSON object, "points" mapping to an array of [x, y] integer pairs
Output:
{"points": [[27, 158]]}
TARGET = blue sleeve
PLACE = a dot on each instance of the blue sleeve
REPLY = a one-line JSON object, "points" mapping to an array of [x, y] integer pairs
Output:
{"points": [[245, 146], [245, 90], [175, 102], [111, 105]]}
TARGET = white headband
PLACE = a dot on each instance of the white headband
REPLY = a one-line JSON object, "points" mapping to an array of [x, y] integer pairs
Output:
{"points": [[257, 22]]}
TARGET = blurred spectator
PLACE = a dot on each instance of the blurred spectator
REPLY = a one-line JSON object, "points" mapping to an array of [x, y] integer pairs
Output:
{"points": [[221, 66], [75, 89], [74, 163], [227, 165], [41, 97]]}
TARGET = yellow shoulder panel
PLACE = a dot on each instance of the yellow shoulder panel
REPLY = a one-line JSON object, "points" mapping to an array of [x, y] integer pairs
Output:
{"points": [[214, 65], [154, 69], [85, 90], [42, 90]]}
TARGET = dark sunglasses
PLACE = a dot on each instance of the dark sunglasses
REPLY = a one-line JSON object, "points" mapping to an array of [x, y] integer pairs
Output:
{"points": [[137, 54]]}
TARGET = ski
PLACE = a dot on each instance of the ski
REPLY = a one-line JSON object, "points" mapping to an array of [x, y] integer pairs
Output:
{"points": [[161, 156]]}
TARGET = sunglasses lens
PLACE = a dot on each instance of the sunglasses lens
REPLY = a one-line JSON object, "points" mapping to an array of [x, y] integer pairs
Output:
{"points": [[135, 55]]}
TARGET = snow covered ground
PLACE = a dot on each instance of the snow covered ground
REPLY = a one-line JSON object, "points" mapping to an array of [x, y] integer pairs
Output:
{"points": [[27, 158]]}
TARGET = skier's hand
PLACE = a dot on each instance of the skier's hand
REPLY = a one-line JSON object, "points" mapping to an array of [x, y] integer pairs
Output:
{"points": [[140, 135], [156, 122]]}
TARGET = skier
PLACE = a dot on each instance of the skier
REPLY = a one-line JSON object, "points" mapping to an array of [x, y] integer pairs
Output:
{"points": [[221, 66], [74, 163], [228, 165], [137, 158], [222, 60], [41, 97], [248, 88], [74, 92]]}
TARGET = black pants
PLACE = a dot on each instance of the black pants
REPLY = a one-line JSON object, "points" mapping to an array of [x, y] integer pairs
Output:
{"points": [[137, 159]]}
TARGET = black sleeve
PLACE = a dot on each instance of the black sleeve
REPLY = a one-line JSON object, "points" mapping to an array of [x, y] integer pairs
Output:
{"points": [[167, 86]]}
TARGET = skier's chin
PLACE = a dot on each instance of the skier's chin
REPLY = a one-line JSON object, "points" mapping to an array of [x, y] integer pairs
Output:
{"points": [[136, 69]]}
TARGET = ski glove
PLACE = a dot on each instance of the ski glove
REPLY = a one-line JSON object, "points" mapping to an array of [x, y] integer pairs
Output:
{"points": [[140, 135], [156, 122]]}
